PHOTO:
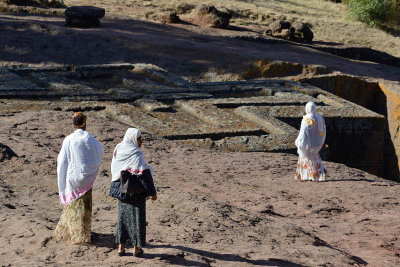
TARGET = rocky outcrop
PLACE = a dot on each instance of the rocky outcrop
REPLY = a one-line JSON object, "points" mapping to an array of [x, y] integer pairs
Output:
{"points": [[298, 32], [279, 26], [208, 15], [169, 17], [302, 32], [84, 16]]}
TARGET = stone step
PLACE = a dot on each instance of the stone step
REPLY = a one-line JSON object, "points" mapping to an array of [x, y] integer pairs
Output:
{"points": [[10, 82]]}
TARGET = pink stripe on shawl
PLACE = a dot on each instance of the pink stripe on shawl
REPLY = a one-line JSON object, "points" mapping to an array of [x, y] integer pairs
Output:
{"points": [[135, 171], [66, 199]]}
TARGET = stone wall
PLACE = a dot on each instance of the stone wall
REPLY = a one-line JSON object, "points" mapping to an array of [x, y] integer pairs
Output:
{"points": [[391, 91], [382, 97]]}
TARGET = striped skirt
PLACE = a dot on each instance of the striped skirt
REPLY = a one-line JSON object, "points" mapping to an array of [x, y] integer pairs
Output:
{"points": [[131, 226], [76, 221]]}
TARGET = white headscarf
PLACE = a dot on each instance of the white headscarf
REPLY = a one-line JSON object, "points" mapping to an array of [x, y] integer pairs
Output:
{"points": [[312, 134], [127, 155], [311, 110]]}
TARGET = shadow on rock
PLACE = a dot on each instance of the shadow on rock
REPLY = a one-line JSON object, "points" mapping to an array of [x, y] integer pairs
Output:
{"points": [[352, 180]]}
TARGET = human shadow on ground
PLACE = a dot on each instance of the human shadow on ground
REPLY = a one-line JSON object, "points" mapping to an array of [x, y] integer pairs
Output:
{"points": [[351, 180], [108, 241], [383, 183], [103, 240], [179, 257], [321, 243]]}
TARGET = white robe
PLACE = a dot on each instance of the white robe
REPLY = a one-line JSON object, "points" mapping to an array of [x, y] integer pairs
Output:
{"points": [[311, 137], [77, 165]]}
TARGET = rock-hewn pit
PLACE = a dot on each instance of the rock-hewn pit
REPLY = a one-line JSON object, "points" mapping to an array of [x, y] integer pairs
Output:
{"points": [[253, 115]]}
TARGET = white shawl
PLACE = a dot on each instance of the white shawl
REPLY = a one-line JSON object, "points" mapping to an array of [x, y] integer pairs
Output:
{"points": [[312, 133], [77, 165], [128, 156]]}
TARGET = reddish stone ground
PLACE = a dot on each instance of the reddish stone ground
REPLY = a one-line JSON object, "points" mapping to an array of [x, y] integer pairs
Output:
{"points": [[213, 209]]}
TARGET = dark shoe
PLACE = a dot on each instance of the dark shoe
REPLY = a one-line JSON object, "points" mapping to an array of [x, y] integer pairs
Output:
{"points": [[139, 253], [121, 253]]}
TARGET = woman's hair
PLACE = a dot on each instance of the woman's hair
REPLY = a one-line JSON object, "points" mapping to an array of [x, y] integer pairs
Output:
{"points": [[79, 120]]}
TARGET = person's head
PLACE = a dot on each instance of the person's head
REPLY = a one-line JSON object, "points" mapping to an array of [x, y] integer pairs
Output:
{"points": [[133, 136], [79, 121], [311, 108]]}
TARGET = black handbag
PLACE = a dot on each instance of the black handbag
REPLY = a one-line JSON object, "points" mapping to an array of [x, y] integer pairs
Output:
{"points": [[133, 184], [130, 183]]}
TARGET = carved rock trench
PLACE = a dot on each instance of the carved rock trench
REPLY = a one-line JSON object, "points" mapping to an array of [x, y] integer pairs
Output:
{"points": [[262, 114]]}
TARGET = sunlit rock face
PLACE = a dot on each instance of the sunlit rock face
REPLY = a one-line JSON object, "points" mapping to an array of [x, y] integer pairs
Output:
{"points": [[261, 114]]}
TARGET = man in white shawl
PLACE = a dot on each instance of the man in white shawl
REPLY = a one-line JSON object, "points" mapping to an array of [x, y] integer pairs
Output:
{"points": [[309, 142], [131, 226], [77, 166]]}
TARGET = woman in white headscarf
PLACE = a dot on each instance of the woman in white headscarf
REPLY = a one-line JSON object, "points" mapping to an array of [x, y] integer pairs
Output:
{"points": [[309, 142], [131, 224], [77, 166]]}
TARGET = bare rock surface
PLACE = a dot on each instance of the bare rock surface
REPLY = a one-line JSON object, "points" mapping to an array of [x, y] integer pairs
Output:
{"points": [[182, 49], [214, 208]]}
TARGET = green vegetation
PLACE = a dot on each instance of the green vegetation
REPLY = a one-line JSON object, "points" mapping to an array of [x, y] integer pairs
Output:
{"points": [[382, 13]]}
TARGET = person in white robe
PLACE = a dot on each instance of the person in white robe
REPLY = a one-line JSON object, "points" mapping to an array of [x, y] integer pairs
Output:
{"points": [[309, 142], [77, 167]]}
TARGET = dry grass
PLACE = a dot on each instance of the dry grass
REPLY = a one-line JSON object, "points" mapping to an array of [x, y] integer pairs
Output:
{"points": [[330, 21]]}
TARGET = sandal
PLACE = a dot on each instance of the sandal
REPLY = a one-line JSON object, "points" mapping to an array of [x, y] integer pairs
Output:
{"points": [[121, 253], [139, 253]]}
